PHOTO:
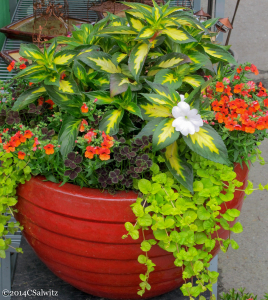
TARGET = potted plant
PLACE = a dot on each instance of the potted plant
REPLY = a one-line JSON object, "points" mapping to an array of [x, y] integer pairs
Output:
{"points": [[129, 131]]}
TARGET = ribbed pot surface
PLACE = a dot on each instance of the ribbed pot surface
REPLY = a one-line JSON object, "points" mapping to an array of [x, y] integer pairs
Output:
{"points": [[78, 232]]}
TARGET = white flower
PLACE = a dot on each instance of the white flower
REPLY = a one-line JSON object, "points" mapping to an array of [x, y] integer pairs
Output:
{"points": [[182, 97], [187, 120]]}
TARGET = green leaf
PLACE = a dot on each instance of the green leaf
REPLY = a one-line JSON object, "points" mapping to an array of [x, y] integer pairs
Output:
{"points": [[194, 80], [151, 111], [142, 259], [208, 144], [145, 186], [200, 238], [237, 228], [198, 266], [68, 86], [79, 71], [160, 234], [30, 71], [28, 97], [164, 134], [181, 170], [145, 220], [202, 213], [111, 120], [149, 128], [137, 58], [52, 79], [68, 134], [234, 244]]}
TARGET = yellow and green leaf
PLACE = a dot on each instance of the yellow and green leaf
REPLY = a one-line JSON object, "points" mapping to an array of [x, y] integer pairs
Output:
{"points": [[133, 108], [28, 97], [165, 134], [119, 83], [100, 61], [79, 71], [118, 57], [68, 86], [151, 110], [137, 59], [168, 78], [208, 144], [171, 10], [162, 90], [111, 120], [102, 97], [194, 80], [219, 53], [149, 128], [68, 134], [134, 22], [178, 35], [180, 169], [32, 52], [171, 60], [64, 57], [31, 70], [209, 23], [118, 30], [146, 33], [159, 99]]}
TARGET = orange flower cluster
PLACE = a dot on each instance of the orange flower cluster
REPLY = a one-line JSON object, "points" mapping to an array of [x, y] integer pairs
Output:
{"points": [[84, 108], [11, 66], [16, 140], [103, 151], [49, 149], [236, 107]]}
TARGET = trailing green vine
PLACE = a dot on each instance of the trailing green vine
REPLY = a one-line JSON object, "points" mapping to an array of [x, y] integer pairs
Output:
{"points": [[186, 224]]}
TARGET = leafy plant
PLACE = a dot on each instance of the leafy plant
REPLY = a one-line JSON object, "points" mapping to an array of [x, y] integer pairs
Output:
{"points": [[240, 295]]}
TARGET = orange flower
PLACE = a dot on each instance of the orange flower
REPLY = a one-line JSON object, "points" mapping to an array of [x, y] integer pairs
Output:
{"points": [[265, 102], [23, 66], [215, 105], [82, 127], [104, 153], [107, 144], [250, 127], [247, 68], [227, 90], [40, 101], [219, 87], [49, 149], [21, 137], [84, 108], [260, 125], [62, 76], [15, 141], [21, 155], [239, 70], [9, 147], [31, 83], [11, 66], [237, 88], [89, 136], [23, 59], [230, 124], [28, 134], [49, 101], [90, 152], [254, 69]]}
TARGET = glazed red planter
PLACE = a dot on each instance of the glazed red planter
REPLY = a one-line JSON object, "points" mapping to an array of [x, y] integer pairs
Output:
{"points": [[78, 232]]}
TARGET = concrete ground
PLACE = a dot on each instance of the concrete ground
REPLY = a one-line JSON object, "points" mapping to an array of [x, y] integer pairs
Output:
{"points": [[248, 266]]}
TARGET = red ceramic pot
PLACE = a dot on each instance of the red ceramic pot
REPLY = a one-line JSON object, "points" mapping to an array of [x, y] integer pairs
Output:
{"points": [[78, 232]]}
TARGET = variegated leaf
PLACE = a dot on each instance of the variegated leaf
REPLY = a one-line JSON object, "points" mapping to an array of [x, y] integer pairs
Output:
{"points": [[140, 7], [146, 33], [134, 22], [67, 102], [149, 128], [79, 71], [111, 120], [136, 13], [31, 70], [68, 86], [209, 23], [199, 58], [68, 134], [162, 90], [102, 97], [190, 21], [28, 97], [51, 50], [219, 53], [182, 70], [67, 40], [207, 143], [64, 57], [171, 60], [165, 134], [101, 81], [159, 99], [100, 61], [119, 83], [171, 10], [117, 30], [180, 169], [168, 78], [32, 52], [194, 80], [137, 58], [118, 57], [178, 35], [133, 108], [150, 110]]}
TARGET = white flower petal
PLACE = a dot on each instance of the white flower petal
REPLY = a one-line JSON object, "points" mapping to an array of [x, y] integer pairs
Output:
{"points": [[185, 107]]}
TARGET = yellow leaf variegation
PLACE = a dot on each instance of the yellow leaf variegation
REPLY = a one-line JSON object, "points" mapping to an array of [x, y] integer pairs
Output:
{"points": [[164, 134], [181, 170], [111, 120], [64, 57], [150, 110], [207, 143], [146, 33], [178, 35], [194, 80], [137, 59]]}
